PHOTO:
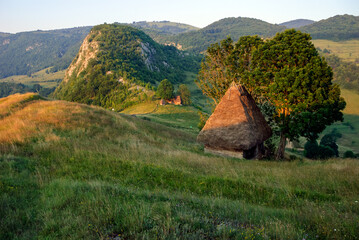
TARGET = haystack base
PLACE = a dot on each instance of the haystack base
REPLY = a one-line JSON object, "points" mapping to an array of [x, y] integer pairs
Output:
{"points": [[223, 152], [257, 152]]}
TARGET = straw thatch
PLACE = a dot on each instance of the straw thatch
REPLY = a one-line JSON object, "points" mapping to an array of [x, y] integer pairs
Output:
{"points": [[236, 125]]}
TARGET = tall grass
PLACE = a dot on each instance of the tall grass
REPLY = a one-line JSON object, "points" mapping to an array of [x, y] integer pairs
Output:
{"points": [[87, 173]]}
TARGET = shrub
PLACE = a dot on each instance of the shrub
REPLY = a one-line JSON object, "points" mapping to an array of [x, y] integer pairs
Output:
{"points": [[311, 149], [314, 151], [349, 154]]}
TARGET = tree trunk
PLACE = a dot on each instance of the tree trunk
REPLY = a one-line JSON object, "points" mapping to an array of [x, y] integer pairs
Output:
{"points": [[280, 151]]}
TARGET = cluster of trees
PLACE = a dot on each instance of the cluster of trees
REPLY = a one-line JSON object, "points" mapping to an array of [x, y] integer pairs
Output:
{"points": [[346, 74], [7, 88], [327, 147], [337, 28], [165, 91], [284, 73]]}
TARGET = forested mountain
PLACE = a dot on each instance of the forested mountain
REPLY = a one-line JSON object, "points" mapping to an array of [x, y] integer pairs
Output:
{"points": [[198, 41], [113, 58], [340, 27], [165, 27], [28, 52], [297, 23]]}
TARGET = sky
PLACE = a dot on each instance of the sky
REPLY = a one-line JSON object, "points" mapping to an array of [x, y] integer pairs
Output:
{"points": [[30, 15]]}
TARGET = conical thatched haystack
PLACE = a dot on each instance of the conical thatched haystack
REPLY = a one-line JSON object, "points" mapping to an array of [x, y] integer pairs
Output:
{"points": [[237, 127]]}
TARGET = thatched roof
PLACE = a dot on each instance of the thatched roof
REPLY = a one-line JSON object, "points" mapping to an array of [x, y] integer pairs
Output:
{"points": [[236, 124]]}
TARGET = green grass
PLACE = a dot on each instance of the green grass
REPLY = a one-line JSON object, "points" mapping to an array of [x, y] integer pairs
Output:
{"points": [[181, 117], [81, 172], [347, 50], [349, 128], [48, 80]]}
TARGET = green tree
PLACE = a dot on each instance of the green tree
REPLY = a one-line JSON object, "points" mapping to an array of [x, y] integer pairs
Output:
{"points": [[290, 74], [330, 140], [216, 74], [185, 94], [227, 62], [165, 90]]}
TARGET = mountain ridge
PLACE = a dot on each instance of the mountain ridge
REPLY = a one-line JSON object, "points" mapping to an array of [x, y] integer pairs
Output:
{"points": [[297, 23]]}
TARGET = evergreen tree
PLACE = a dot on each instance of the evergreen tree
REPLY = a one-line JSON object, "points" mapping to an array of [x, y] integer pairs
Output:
{"points": [[290, 74], [165, 90]]}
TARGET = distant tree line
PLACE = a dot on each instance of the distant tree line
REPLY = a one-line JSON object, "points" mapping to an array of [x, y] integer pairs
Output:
{"points": [[7, 89]]}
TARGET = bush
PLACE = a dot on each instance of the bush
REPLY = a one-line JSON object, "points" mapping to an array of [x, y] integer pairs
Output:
{"points": [[311, 149], [325, 152], [314, 151], [349, 154]]}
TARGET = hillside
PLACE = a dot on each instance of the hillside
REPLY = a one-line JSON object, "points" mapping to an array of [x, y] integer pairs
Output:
{"points": [[200, 40], [73, 171], [114, 58], [337, 28], [165, 27], [297, 23], [28, 52]]}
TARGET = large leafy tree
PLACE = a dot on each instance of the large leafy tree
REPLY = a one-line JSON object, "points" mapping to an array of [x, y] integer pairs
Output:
{"points": [[165, 90], [290, 75], [216, 74], [227, 62]]}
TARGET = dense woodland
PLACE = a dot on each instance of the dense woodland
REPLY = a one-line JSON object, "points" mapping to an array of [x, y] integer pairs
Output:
{"points": [[337, 28], [7, 89]]}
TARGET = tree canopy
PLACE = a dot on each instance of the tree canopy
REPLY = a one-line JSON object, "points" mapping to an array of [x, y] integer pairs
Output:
{"points": [[285, 72], [165, 90], [185, 94]]}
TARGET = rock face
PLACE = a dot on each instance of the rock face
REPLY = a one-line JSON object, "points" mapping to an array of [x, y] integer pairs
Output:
{"points": [[88, 51], [236, 125]]}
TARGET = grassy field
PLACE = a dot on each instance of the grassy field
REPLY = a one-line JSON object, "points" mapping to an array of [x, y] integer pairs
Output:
{"points": [[48, 80], [182, 117], [347, 50], [349, 128], [72, 171]]}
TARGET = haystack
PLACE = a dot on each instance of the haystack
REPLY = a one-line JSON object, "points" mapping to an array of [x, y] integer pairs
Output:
{"points": [[237, 127]]}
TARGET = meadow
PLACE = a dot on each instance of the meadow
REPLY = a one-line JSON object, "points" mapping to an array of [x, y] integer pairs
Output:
{"points": [[43, 77], [346, 50], [72, 171]]}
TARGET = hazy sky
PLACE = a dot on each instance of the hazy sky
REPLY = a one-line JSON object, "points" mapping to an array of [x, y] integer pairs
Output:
{"points": [[28, 15]]}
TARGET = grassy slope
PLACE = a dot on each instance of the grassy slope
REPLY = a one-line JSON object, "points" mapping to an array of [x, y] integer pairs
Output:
{"points": [[49, 80], [72, 171], [349, 128], [347, 50]]}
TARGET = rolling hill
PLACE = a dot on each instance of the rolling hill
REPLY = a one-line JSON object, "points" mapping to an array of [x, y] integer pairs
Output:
{"points": [[200, 40], [297, 23], [165, 27], [74, 171], [28, 52], [337, 28]]}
